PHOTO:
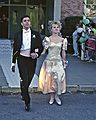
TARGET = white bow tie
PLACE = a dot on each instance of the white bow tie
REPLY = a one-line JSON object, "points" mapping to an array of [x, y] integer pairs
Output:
{"points": [[26, 31]]}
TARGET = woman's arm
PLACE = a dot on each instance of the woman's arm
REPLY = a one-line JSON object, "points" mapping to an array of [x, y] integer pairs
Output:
{"points": [[63, 55], [44, 51]]}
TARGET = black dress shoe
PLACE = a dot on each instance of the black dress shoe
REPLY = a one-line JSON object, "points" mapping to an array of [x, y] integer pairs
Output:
{"points": [[27, 107]]}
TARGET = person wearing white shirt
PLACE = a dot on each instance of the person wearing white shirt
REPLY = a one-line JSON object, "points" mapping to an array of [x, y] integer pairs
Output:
{"points": [[27, 47]]}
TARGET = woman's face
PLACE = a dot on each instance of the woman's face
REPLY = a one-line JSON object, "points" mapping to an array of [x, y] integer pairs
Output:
{"points": [[55, 28]]}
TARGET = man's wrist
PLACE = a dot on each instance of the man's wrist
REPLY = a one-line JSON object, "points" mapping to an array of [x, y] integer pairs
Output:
{"points": [[37, 54], [13, 64]]}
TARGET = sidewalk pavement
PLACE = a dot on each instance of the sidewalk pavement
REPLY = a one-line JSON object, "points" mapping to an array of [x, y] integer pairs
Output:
{"points": [[81, 77]]}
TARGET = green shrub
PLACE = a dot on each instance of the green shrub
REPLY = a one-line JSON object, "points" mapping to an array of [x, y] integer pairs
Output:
{"points": [[69, 24]]}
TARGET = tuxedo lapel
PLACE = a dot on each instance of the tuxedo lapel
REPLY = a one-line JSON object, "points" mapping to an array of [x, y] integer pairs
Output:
{"points": [[21, 38], [31, 39]]}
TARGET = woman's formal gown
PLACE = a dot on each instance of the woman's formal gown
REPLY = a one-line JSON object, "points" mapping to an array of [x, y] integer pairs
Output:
{"points": [[52, 75]]}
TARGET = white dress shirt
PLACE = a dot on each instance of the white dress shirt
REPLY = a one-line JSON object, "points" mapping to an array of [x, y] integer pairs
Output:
{"points": [[26, 43]]}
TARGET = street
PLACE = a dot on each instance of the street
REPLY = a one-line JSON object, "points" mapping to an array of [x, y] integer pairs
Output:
{"points": [[76, 106]]}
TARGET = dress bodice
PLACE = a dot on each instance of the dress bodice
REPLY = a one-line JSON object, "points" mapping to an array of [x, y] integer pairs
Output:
{"points": [[54, 51]]}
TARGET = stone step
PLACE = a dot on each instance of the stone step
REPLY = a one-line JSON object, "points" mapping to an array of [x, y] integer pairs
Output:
{"points": [[3, 81], [5, 62]]}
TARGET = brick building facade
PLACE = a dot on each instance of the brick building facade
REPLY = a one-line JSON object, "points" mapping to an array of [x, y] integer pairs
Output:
{"points": [[71, 8]]}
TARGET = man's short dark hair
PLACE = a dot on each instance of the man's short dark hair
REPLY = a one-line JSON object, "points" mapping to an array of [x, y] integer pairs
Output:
{"points": [[25, 17]]}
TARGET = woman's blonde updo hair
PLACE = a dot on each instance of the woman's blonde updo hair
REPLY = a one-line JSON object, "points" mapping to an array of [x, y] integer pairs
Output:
{"points": [[50, 23]]}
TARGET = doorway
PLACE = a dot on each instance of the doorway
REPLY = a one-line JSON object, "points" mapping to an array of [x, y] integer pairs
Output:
{"points": [[4, 22]]}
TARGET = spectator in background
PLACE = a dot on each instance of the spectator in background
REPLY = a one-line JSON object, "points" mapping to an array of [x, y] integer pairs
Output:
{"points": [[76, 35], [91, 46], [4, 26]]}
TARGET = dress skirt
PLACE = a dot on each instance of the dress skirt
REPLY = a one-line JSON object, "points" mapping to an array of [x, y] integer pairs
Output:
{"points": [[52, 77]]}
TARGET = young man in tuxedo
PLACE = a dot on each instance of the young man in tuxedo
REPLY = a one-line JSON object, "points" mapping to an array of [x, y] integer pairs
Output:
{"points": [[27, 47]]}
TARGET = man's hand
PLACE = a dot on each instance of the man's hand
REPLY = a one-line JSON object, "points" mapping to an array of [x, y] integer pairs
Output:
{"points": [[34, 55], [13, 67]]}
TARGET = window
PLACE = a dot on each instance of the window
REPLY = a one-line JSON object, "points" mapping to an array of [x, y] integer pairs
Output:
{"points": [[18, 1], [4, 1], [14, 17], [36, 2]]}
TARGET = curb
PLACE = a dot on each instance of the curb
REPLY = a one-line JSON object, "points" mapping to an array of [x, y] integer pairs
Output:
{"points": [[81, 88], [70, 89], [15, 90]]}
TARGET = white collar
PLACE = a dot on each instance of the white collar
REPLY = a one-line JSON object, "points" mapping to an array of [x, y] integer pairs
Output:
{"points": [[26, 31]]}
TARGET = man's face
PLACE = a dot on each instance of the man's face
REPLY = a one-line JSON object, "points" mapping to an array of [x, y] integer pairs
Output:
{"points": [[26, 24]]}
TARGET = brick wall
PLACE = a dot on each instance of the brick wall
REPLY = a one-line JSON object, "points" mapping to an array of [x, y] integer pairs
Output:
{"points": [[71, 8]]}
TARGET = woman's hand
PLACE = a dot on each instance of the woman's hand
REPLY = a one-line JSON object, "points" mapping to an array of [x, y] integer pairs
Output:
{"points": [[65, 63]]}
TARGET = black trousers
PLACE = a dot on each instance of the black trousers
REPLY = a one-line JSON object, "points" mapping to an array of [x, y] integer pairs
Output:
{"points": [[26, 68]]}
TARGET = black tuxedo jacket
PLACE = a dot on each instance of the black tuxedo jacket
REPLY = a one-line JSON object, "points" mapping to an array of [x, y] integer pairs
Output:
{"points": [[36, 43]]}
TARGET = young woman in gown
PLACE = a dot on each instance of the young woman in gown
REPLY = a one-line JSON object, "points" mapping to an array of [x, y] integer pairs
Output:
{"points": [[52, 78]]}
